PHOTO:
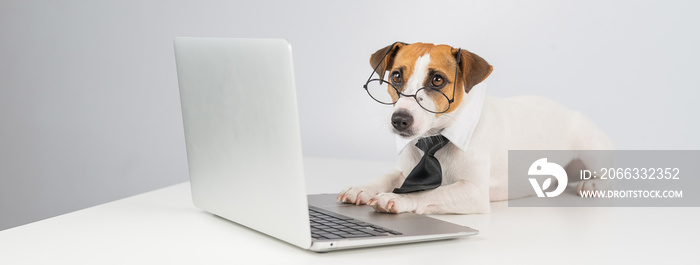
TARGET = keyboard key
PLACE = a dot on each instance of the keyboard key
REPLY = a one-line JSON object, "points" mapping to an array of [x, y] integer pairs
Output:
{"points": [[332, 236], [338, 216], [374, 233], [356, 236]]}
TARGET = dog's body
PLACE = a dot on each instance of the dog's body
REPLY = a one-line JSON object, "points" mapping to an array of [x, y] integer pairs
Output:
{"points": [[476, 173]]}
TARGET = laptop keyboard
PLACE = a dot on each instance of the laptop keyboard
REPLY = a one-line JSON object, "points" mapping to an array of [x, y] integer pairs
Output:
{"points": [[329, 225]]}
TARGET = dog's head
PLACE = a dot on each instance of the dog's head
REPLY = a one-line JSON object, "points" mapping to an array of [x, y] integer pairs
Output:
{"points": [[418, 71]]}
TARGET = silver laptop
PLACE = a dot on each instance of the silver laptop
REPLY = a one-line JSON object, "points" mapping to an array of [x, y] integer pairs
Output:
{"points": [[239, 111]]}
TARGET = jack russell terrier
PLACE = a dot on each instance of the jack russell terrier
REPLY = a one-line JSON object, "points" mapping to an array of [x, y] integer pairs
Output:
{"points": [[434, 92]]}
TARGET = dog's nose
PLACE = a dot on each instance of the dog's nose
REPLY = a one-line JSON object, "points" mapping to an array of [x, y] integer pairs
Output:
{"points": [[401, 120]]}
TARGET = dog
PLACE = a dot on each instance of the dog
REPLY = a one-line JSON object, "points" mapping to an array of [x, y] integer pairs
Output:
{"points": [[475, 162]]}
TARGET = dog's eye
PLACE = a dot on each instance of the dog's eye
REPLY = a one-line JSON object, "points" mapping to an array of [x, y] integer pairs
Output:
{"points": [[396, 77], [438, 81]]}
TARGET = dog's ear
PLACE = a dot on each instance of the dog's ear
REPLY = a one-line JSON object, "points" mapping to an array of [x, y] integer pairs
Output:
{"points": [[474, 69], [388, 61]]}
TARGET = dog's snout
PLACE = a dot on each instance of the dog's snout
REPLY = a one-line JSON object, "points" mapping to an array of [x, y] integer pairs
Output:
{"points": [[401, 120]]}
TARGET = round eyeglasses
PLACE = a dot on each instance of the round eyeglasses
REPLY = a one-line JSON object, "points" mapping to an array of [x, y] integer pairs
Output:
{"points": [[431, 99]]}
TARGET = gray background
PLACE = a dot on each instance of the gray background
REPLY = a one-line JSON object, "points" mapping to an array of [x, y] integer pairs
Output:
{"points": [[89, 106]]}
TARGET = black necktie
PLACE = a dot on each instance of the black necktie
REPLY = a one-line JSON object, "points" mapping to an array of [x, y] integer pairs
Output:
{"points": [[427, 174]]}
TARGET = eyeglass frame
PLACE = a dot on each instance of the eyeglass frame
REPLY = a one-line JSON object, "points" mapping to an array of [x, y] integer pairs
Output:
{"points": [[399, 94]]}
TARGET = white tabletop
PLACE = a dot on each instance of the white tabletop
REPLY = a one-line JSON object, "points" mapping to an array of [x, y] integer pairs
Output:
{"points": [[163, 227]]}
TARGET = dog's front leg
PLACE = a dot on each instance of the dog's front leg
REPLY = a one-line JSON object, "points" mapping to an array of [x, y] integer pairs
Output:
{"points": [[469, 193], [362, 194], [460, 197]]}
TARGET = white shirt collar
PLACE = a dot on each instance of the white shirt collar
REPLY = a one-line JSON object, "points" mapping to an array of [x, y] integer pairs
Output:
{"points": [[465, 119]]}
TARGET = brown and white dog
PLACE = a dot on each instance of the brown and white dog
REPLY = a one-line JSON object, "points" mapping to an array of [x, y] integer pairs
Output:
{"points": [[481, 130]]}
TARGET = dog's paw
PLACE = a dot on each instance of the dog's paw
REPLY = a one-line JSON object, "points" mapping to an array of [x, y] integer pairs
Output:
{"points": [[592, 185], [356, 195], [392, 203]]}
